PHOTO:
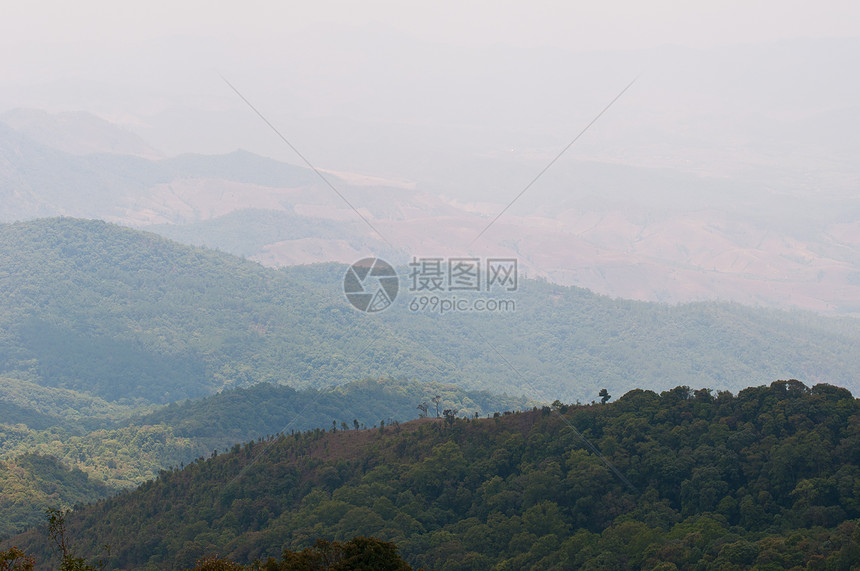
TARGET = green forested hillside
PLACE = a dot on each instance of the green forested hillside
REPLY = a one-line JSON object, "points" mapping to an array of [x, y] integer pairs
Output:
{"points": [[121, 449], [133, 318], [687, 480], [243, 414], [30, 482], [50, 406]]}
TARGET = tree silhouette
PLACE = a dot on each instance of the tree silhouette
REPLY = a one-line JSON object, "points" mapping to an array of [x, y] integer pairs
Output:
{"points": [[604, 396]]}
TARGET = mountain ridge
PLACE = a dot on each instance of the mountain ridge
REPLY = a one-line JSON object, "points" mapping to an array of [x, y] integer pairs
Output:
{"points": [[642, 232], [86, 303]]}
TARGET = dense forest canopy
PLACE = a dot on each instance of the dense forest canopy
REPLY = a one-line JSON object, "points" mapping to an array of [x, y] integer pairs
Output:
{"points": [[685, 479]]}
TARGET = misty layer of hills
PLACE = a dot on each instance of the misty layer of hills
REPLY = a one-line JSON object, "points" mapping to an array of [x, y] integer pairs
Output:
{"points": [[722, 174], [132, 317]]}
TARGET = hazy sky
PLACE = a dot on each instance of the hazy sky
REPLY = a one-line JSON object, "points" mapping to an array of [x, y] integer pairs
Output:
{"points": [[571, 24], [470, 78]]}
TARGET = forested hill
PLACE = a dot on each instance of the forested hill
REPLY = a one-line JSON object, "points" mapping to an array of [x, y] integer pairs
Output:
{"points": [[243, 414], [62, 457], [131, 317], [687, 480]]}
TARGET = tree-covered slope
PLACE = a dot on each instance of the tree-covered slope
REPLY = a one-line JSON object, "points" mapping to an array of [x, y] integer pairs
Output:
{"points": [[131, 317], [687, 480], [242, 414], [30, 483], [118, 449], [127, 315]]}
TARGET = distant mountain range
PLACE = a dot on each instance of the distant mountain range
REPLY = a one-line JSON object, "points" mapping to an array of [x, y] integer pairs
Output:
{"points": [[77, 133], [134, 318], [628, 231]]}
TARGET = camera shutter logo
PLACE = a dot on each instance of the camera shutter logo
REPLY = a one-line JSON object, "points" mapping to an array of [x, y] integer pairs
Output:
{"points": [[371, 285]]}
